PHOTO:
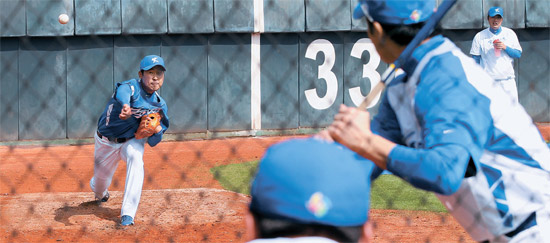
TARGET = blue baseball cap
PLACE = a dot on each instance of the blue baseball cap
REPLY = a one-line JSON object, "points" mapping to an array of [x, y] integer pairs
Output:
{"points": [[495, 11], [150, 61], [396, 12], [312, 181]]}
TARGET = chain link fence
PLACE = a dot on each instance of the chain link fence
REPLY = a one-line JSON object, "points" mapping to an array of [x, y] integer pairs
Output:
{"points": [[235, 84]]}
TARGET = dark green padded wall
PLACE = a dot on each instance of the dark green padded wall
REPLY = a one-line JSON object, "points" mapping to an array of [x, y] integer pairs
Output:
{"points": [[234, 16], [185, 82], [279, 81], [465, 14], [190, 16], [12, 18], [9, 95], [42, 17], [284, 16], [328, 15], [42, 89], [532, 74], [98, 17], [536, 13], [89, 83], [144, 16], [229, 82]]}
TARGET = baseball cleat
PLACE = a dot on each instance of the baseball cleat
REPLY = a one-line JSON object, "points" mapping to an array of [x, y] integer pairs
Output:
{"points": [[126, 220], [104, 198]]}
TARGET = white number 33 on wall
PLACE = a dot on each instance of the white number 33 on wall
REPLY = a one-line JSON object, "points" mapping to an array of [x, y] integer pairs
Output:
{"points": [[325, 72]]}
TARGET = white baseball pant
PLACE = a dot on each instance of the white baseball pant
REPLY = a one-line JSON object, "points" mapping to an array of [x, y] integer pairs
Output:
{"points": [[107, 154], [509, 85]]}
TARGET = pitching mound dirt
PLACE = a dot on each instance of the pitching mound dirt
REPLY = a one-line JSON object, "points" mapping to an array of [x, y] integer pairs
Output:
{"points": [[164, 215]]}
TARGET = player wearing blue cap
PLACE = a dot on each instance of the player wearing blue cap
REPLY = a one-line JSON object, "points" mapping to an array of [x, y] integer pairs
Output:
{"points": [[310, 190], [495, 48], [446, 126], [115, 141]]}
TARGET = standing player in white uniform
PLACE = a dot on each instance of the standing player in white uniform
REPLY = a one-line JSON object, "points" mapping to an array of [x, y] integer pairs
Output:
{"points": [[115, 141], [495, 48], [445, 126]]}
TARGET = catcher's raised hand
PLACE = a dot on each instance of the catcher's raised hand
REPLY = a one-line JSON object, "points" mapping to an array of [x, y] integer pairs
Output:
{"points": [[125, 112], [149, 125]]}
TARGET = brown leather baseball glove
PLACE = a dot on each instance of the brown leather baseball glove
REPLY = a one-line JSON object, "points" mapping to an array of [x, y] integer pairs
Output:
{"points": [[148, 125]]}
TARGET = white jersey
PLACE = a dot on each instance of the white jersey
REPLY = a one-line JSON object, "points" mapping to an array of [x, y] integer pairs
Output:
{"points": [[498, 67]]}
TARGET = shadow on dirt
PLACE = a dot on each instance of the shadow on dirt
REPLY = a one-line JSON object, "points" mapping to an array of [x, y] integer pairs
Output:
{"points": [[86, 208]]}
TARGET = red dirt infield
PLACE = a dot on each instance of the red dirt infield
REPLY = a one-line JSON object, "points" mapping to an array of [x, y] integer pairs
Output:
{"points": [[45, 197]]}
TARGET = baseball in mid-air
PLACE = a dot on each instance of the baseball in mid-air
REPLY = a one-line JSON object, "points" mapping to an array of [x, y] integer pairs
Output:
{"points": [[63, 18]]}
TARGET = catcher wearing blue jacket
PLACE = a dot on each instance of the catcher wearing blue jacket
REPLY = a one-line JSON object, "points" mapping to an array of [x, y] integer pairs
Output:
{"points": [[445, 126], [117, 130]]}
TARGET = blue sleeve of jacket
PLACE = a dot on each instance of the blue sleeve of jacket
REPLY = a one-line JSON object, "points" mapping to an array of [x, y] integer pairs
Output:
{"points": [[156, 138], [513, 53], [477, 58], [123, 93], [439, 169]]}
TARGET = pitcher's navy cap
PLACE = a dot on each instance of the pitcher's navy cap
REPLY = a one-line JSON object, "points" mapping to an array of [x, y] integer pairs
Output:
{"points": [[496, 11], [312, 181], [150, 61], [396, 12]]}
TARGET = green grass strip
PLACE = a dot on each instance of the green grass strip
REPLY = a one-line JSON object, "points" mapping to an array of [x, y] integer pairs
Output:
{"points": [[236, 177], [388, 191], [391, 192]]}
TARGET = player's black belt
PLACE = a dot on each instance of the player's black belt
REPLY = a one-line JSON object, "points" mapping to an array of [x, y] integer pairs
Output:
{"points": [[112, 139]]}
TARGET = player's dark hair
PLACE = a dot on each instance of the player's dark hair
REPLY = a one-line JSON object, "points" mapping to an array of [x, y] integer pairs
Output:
{"points": [[403, 34], [269, 227]]}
